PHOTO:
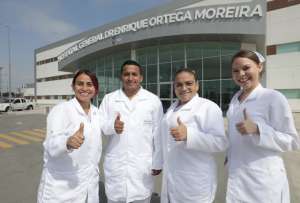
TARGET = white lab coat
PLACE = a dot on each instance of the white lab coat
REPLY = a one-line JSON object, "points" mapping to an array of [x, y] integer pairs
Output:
{"points": [[71, 176], [189, 171], [256, 170], [129, 157]]}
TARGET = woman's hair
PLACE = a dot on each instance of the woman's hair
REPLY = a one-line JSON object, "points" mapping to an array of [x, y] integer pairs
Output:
{"points": [[186, 70], [91, 75], [252, 55]]}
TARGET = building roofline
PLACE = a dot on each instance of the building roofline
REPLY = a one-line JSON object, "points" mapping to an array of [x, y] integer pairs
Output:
{"points": [[147, 12]]}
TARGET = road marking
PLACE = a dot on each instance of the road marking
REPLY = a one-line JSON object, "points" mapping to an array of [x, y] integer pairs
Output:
{"points": [[13, 139], [29, 132], [4, 145], [26, 136], [40, 130]]}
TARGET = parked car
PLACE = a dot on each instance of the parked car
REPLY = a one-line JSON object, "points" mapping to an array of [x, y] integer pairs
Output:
{"points": [[15, 104]]}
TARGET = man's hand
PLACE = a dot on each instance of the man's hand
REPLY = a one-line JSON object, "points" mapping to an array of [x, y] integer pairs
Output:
{"points": [[119, 125], [247, 126], [76, 140], [180, 132]]}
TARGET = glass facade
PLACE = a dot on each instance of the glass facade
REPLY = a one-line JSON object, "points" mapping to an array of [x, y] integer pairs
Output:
{"points": [[107, 69], [211, 60]]}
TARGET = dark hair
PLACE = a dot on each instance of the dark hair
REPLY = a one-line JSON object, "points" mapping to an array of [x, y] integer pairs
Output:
{"points": [[131, 62], [186, 70], [243, 53], [91, 75]]}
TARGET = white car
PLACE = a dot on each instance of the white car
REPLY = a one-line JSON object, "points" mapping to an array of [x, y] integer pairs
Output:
{"points": [[15, 104]]}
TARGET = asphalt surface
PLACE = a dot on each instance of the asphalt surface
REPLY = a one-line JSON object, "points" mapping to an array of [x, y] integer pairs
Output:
{"points": [[21, 164]]}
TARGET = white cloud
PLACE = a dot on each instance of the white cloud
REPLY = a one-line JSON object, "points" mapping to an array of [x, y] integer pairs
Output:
{"points": [[42, 21], [48, 26]]}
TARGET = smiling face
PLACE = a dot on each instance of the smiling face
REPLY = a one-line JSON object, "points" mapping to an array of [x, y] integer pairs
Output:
{"points": [[131, 79], [246, 73], [84, 89], [186, 87]]}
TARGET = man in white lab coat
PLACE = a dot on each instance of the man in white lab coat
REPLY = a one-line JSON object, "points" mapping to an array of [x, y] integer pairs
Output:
{"points": [[133, 152]]}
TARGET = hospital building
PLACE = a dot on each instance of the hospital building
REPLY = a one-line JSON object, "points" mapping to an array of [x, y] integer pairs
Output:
{"points": [[199, 34]]}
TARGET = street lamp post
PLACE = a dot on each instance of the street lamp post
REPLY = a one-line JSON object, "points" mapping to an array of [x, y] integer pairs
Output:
{"points": [[1, 82], [9, 60]]}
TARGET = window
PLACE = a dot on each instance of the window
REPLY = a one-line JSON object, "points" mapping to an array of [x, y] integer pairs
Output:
{"points": [[165, 72], [211, 60], [152, 88], [290, 93], [177, 52], [176, 66], [165, 91], [49, 60], [212, 90], [165, 54], [60, 77], [152, 74], [229, 88], [197, 66], [17, 101], [211, 49], [211, 68], [226, 66], [289, 47], [194, 51]]}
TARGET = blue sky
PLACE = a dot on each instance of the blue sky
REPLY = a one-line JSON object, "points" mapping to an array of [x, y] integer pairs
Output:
{"points": [[36, 23]]}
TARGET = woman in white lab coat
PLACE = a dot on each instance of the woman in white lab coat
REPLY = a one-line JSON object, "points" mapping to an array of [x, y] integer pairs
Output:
{"points": [[72, 148], [260, 127], [192, 130]]}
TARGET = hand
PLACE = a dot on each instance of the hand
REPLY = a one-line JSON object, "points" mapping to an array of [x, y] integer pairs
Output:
{"points": [[247, 126], [76, 140], [180, 132], [156, 172], [119, 125]]}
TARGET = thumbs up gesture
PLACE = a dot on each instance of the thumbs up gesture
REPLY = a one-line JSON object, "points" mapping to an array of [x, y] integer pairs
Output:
{"points": [[119, 125], [180, 132], [247, 126], [76, 140]]}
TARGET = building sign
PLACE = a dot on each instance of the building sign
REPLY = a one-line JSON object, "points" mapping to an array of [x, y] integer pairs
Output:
{"points": [[185, 15]]}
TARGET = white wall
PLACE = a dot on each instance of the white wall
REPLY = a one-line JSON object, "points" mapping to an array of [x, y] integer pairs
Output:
{"points": [[283, 25], [283, 71], [49, 70], [294, 104], [50, 53], [49, 102], [28, 92], [55, 87]]}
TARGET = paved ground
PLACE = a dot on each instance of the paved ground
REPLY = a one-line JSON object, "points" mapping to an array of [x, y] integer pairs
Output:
{"points": [[292, 163], [21, 165]]}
